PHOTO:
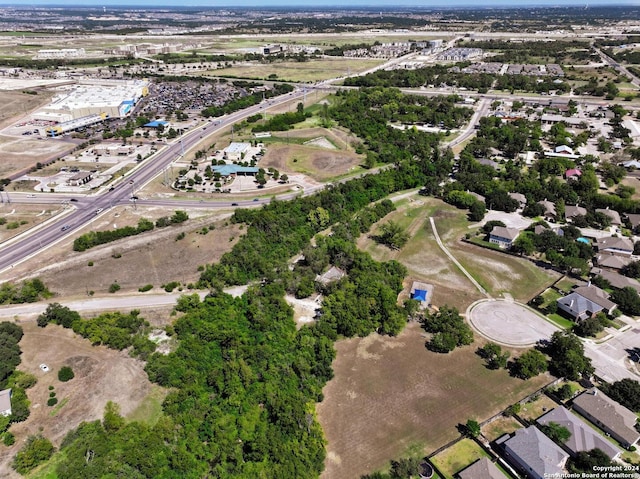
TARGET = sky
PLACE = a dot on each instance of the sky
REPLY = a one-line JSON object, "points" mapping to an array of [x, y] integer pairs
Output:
{"points": [[322, 3]]}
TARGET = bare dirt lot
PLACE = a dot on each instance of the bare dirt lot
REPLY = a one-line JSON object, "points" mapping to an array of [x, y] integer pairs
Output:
{"points": [[151, 258], [18, 153], [101, 375], [16, 103], [319, 163], [389, 394]]}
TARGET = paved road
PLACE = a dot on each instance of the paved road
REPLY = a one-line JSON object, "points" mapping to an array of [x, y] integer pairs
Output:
{"points": [[88, 208]]}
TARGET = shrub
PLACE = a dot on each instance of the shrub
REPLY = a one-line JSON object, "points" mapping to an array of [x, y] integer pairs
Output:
{"points": [[52, 401], [169, 287], [8, 439], [65, 374], [52, 394], [90, 263], [114, 287], [145, 288]]}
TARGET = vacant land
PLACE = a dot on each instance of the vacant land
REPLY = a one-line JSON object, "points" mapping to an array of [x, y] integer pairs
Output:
{"points": [[19, 154], [16, 103], [311, 71], [152, 258], [390, 393], [17, 218], [286, 153], [101, 375], [457, 457]]}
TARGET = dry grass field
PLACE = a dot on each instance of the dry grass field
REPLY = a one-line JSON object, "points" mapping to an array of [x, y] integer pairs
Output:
{"points": [[19, 153], [391, 393], [457, 457], [151, 258], [310, 71], [500, 427], [498, 273], [20, 217], [101, 375]]}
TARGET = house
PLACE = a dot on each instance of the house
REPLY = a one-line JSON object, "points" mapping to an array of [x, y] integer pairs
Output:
{"points": [[615, 245], [612, 261], [564, 150], [616, 280], [486, 162], [583, 437], [634, 221], [481, 469], [539, 229], [421, 292], [613, 215], [573, 173], [5, 402], [632, 165], [549, 210], [571, 212], [611, 417], [520, 198], [585, 301], [533, 453], [503, 236], [331, 275]]}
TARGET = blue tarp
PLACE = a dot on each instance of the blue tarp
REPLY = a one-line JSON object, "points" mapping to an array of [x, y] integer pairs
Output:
{"points": [[420, 295]]}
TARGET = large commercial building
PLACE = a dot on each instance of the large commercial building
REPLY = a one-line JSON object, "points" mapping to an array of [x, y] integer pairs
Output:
{"points": [[106, 98]]}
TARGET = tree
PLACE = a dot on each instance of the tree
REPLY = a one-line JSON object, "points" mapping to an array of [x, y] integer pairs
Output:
{"points": [[36, 450], [556, 432], [493, 355], [58, 314], [589, 327], [472, 428], [477, 211], [284, 178], [567, 356], [449, 330], [112, 420], [587, 461], [529, 364], [65, 374], [626, 392], [392, 235], [627, 300]]}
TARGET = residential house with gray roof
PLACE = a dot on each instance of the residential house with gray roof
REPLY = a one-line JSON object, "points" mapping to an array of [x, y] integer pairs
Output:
{"points": [[615, 245], [482, 469], [585, 301], [534, 454], [583, 437], [503, 236], [613, 215], [611, 417], [571, 212]]}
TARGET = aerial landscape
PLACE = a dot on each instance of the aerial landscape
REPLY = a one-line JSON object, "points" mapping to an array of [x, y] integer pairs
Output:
{"points": [[271, 240]]}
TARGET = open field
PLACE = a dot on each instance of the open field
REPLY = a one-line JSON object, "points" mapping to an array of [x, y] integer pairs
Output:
{"points": [[390, 393], [19, 153], [311, 71], [421, 255], [16, 104], [20, 217], [101, 375], [151, 258], [457, 457], [319, 163], [536, 408]]}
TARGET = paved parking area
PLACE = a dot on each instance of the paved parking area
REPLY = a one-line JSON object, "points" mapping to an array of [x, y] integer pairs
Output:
{"points": [[509, 323]]}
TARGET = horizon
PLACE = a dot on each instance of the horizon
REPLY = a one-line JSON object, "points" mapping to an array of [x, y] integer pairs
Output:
{"points": [[294, 4]]}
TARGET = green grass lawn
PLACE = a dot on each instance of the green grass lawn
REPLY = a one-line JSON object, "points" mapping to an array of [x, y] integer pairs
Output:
{"points": [[150, 409], [457, 457]]}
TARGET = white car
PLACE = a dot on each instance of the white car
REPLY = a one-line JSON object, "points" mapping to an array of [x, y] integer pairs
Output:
{"points": [[44, 368]]}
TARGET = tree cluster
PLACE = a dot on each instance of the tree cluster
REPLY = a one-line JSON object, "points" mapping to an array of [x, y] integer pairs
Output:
{"points": [[448, 328], [626, 392], [29, 291], [242, 102]]}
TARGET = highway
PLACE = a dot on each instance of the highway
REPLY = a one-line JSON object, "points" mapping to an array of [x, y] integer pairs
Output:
{"points": [[88, 208]]}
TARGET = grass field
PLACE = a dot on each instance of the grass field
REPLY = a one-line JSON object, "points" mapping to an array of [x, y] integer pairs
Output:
{"points": [[310, 71], [457, 457], [500, 427], [150, 409], [536, 408], [390, 393], [497, 272]]}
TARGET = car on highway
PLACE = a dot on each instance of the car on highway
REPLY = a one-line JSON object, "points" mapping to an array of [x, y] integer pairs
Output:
{"points": [[256, 199], [99, 210], [73, 200], [65, 227], [112, 188], [133, 198], [31, 196], [234, 204]]}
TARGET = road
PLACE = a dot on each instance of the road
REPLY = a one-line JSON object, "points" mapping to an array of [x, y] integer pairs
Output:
{"points": [[89, 208]]}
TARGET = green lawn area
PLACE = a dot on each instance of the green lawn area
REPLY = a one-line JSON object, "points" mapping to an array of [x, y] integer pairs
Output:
{"points": [[150, 409], [48, 469], [560, 321], [457, 457], [566, 284]]}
